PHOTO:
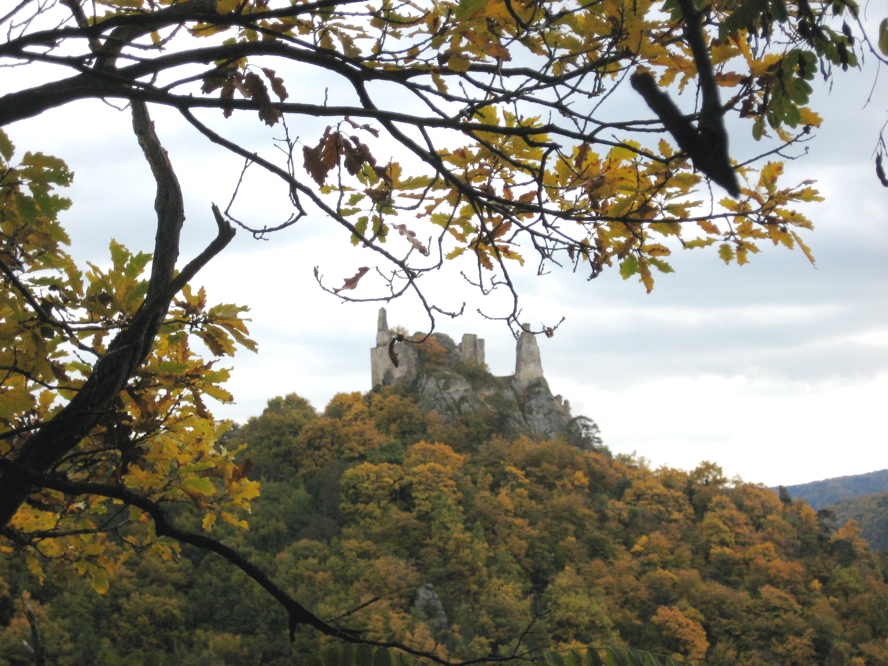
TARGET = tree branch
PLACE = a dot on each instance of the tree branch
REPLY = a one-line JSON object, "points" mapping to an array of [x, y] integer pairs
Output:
{"points": [[707, 144], [132, 344]]}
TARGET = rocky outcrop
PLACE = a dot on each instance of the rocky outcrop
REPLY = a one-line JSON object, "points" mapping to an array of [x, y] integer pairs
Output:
{"points": [[455, 382], [428, 606]]}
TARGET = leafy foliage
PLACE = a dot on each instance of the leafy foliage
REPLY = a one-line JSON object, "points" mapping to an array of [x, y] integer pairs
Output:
{"points": [[483, 133], [534, 548], [502, 116], [160, 440], [870, 513]]}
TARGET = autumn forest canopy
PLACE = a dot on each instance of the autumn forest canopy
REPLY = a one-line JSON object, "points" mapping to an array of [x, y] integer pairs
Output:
{"points": [[467, 138], [461, 538]]}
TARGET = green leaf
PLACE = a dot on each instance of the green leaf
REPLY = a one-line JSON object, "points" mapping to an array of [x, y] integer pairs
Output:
{"points": [[554, 659], [745, 14], [613, 657], [7, 148], [383, 657], [119, 254], [459, 64], [778, 8], [883, 36], [661, 265], [363, 654], [726, 252], [468, 7], [758, 128], [200, 484], [629, 267], [593, 658]]}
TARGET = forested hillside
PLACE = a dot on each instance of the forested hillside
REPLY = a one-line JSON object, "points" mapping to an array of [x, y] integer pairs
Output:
{"points": [[870, 512], [820, 494], [447, 536]]}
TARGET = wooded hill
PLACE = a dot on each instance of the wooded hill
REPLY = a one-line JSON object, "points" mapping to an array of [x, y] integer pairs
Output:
{"points": [[455, 536], [870, 512], [821, 494], [862, 498]]}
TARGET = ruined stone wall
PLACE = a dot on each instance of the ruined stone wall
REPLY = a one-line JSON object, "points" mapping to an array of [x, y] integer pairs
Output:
{"points": [[528, 364], [471, 349], [383, 371]]}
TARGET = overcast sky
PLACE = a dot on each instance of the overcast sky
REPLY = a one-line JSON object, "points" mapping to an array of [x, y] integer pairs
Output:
{"points": [[777, 371]]}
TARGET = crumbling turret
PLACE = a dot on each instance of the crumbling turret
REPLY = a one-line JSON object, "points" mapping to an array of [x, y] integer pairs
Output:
{"points": [[528, 365], [390, 363]]}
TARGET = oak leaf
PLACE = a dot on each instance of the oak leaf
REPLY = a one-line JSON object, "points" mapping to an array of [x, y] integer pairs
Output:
{"points": [[352, 282]]}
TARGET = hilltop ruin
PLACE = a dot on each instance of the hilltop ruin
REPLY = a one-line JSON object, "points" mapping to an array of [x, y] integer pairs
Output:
{"points": [[460, 383]]}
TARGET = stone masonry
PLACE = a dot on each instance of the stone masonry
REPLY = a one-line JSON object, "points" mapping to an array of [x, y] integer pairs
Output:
{"points": [[528, 365]]}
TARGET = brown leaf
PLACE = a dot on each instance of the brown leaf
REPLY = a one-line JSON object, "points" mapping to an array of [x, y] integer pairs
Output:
{"points": [[581, 156], [331, 148], [240, 471], [355, 155], [352, 282], [880, 172], [366, 128], [422, 249], [311, 160], [277, 83], [318, 161], [255, 89]]}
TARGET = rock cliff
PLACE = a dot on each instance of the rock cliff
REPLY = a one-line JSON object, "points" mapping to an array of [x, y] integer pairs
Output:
{"points": [[453, 380]]}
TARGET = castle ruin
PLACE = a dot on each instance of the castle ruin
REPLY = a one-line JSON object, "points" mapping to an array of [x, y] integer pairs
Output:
{"points": [[384, 371], [523, 398]]}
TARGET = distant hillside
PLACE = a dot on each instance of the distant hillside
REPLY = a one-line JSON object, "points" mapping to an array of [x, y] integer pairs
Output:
{"points": [[871, 514], [820, 494]]}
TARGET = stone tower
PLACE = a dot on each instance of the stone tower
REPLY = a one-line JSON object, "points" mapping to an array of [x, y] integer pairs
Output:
{"points": [[382, 369], [528, 365]]}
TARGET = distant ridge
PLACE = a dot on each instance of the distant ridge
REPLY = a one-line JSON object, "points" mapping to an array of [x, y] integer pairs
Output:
{"points": [[820, 494], [870, 512]]}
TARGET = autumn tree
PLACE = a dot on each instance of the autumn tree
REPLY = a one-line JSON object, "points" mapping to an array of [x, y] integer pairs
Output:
{"points": [[472, 134]]}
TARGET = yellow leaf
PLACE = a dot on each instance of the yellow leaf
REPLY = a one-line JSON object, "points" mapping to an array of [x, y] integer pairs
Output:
{"points": [[808, 117], [657, 250], [208, 521], [100, 579], [646, 278], [198, 484], [804, 247], [458, 64], [234, 521]]}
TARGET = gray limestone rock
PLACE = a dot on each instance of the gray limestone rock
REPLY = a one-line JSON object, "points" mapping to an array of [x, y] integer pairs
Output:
{"points": [[428, 605]]}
